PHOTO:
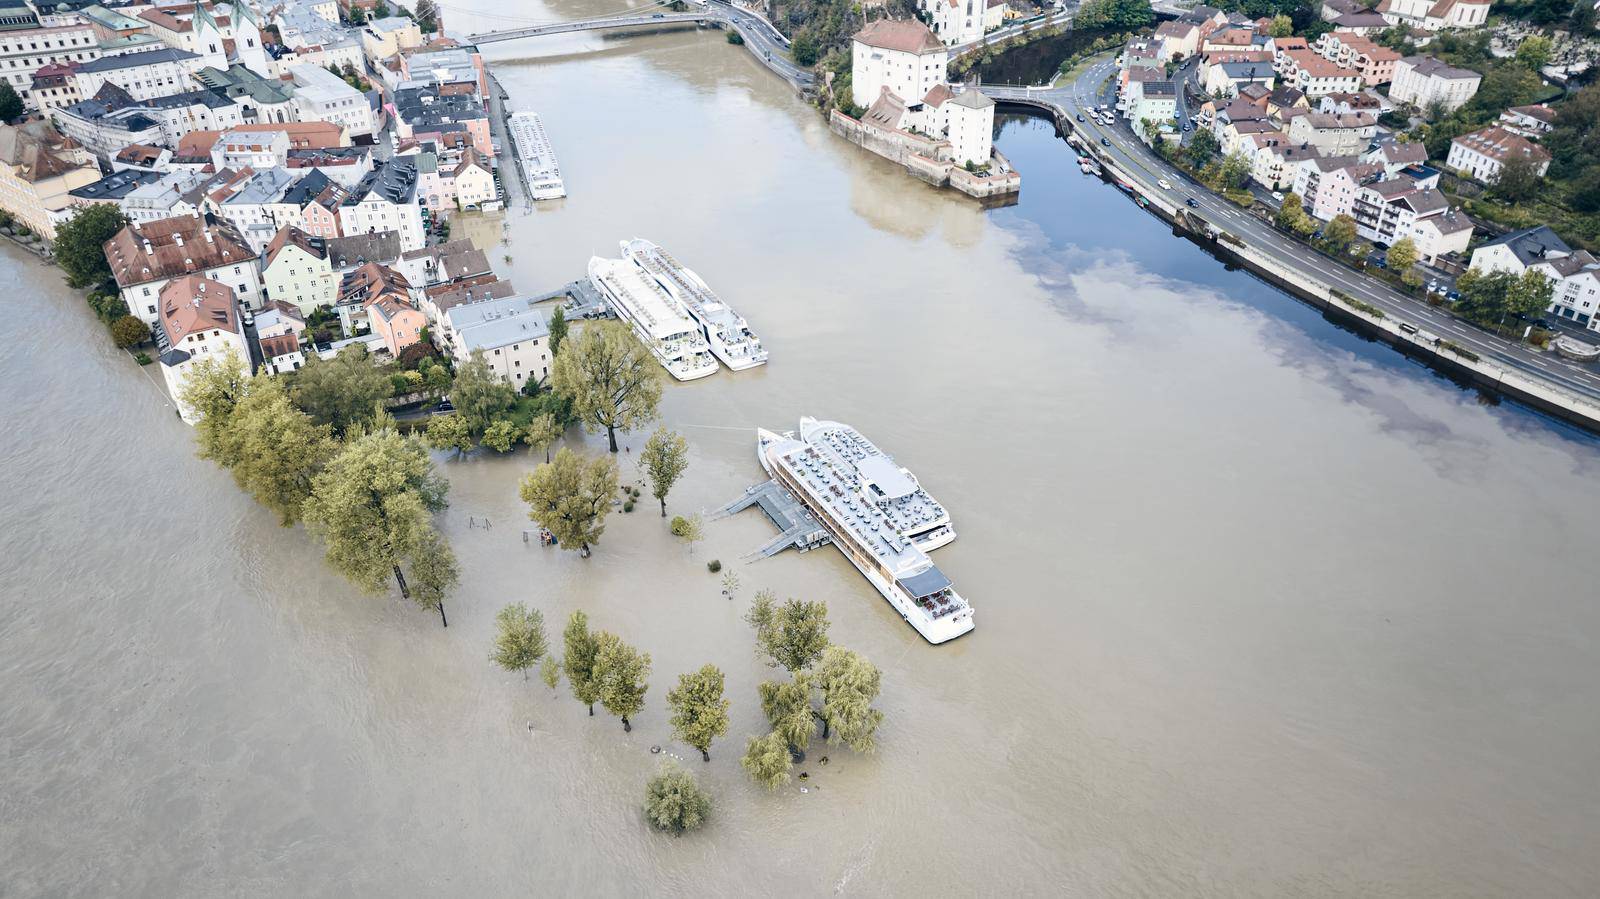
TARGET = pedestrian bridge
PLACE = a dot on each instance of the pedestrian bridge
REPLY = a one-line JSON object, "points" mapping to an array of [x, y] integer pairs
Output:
{"points": [[764, 41], [698, 17]]}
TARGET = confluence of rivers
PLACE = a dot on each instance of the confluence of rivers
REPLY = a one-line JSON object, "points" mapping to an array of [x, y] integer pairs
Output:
{"points": [[1263, 609]]}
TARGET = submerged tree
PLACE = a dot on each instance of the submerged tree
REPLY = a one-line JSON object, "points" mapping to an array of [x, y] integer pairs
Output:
{"points": [[212, 387], [373, 507], [434, 573], [611, 378], [571, 499], [848, 684], [344, 392], [577, 662], [621, 673], [519, 641], [665, 456], [542, 431], [787, 705], [699, 710], [674, 801], [276, 449], [794, 634], [687, 529], [767, 760]]}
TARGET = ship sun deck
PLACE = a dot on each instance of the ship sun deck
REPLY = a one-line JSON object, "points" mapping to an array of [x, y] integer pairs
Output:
{"points": [[671, 335], [831, 487], [699, 301], [903, 502], [538, 159]]}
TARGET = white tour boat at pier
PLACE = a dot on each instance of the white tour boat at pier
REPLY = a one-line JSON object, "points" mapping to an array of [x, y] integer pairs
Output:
{"points": [[849, 491], [537, 158], [728, 334], [661, 324]]}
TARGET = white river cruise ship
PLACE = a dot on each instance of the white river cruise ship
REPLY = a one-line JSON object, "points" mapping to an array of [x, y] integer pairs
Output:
{"points": [[672, 337], [538, 159], [854, 498], [728, 334]]}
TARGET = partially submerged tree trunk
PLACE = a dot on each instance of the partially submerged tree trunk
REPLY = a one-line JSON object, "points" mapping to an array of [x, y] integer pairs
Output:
{"points": [[400, 576], [611, 434], [705, 754], [663, 506], [447, 624], [591, 710], [626, 727], [824, 724]]}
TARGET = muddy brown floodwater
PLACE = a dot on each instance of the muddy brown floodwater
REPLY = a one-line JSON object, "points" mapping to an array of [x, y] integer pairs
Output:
{"points": [[1263, 609]]}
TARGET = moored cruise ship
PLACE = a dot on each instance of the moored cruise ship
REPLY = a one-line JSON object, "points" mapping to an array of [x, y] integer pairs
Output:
{"points": [[673, 338], [537, 157], [911, 511], [726, 331], [840, 494]]}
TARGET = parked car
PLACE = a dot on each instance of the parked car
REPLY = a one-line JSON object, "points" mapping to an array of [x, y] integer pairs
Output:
{"points": [[445, 406], [1186, 126], [1453, 295]]}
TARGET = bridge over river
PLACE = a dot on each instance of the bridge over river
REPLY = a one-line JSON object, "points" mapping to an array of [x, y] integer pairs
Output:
{"points": [[763, 40]]}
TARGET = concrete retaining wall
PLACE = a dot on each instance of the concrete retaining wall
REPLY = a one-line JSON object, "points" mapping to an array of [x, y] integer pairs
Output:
{"points": [[925, 159]]}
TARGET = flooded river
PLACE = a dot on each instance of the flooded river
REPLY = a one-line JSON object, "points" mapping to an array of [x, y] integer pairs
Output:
{"points": [[1262, 608]]}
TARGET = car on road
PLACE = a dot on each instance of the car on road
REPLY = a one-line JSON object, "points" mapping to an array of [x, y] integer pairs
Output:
{"points": [[1080, 116], [1187, 126], [445, 406], [659, 16], [1164, 183], [1192, 202], [1277, 195], [1104, 142]]}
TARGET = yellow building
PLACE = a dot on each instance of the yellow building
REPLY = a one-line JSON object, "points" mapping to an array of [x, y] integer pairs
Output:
{"points": [[37, 168]]}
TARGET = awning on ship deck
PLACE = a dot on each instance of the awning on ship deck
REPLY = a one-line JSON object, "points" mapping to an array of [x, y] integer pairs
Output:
{"points": [[926, 582]]}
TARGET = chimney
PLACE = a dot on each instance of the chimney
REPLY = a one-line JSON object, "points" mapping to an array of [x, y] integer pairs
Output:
{"points": [[208, 236], [177, 239], [147, 248]]}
